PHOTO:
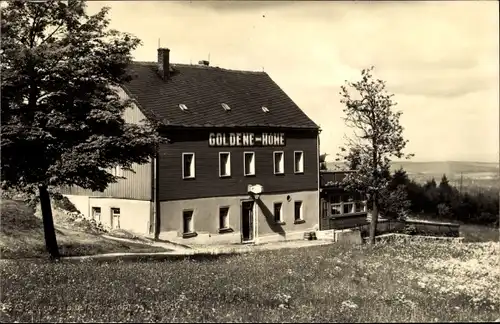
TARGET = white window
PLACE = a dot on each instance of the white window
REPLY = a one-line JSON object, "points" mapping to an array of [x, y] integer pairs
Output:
{"points": [[348, 206], [249, 163], [360, 206], [298, 159], [117, 171], [96, 214], [298, 211], [336, 205], [187, 220], [278, 212], [224, 164], [279, 162], [115, 217], [188, 164], [223, 217]]}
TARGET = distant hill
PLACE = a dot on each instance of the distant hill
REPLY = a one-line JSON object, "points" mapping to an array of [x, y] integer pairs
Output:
{"points": [[452, 169], [446, 167]]}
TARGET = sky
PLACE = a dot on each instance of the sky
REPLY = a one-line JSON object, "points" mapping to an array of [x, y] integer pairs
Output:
{"points": [[440, 59]]}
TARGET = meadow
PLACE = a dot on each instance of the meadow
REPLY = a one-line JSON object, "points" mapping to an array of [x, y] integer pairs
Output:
{"points": [[21, 235], [396, 282]]}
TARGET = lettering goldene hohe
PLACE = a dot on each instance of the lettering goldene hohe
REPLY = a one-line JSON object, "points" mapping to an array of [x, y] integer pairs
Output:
{"points": [[246, 139]]}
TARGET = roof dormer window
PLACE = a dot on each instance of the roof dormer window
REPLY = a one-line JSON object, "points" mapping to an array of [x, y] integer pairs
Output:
{"points": [[265, 109], [183, 107], [226, 107]]}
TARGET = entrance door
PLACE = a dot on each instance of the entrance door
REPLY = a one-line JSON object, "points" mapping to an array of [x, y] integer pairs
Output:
{"points": [[247, 221]]}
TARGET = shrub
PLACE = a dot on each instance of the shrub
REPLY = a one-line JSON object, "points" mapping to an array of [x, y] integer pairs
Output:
{"points": [[443, 210], [63, 202], [410, 229]]}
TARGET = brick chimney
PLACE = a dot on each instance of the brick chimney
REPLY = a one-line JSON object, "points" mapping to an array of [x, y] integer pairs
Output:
{"points": [[164, 63]]}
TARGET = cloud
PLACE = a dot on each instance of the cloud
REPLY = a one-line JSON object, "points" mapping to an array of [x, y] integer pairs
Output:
{"points": [[239, 5], [441, 82], [434, 49], [440, 59]]}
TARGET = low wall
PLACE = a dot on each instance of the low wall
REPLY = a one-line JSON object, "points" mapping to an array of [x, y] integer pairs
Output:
{"points": [[428, 227], [412, 227], [343, 222], [391, 237]]}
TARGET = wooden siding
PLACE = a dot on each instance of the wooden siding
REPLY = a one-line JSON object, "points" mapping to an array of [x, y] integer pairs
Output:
{"points": [[136, 185], [207, 182], [329, 178]]}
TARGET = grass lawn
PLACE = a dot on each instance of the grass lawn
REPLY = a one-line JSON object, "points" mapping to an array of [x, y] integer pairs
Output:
{"points": [[31, 244], [395, 282], [479, 233], [21, 236]]}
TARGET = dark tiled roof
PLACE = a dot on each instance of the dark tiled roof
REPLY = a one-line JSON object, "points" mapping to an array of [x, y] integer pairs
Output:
{"points": [[203, 89]]}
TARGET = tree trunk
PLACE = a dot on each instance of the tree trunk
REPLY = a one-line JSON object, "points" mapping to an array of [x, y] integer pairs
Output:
{"points": [[48, 223], [374, 220]]}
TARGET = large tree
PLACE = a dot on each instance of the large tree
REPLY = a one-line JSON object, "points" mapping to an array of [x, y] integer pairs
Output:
{"points": [[376, 138], [62, 121]]}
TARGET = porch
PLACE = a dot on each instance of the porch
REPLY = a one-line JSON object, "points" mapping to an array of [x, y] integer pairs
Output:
{"points": [[339, 209]]}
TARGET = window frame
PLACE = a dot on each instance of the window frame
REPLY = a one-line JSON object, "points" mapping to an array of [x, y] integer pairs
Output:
{"points": [[113, 211], [301, 219], [228, 228], [117, 171], [279, 221], [192, 165], [351, 205], [116, 216], [245, 173], [282, 162], [93, 209], [228, 167], [191, 229], [295, 162]]}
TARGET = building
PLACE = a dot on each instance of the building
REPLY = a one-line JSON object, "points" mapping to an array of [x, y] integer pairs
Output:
{"points": [[339, 209], [241, 164]]}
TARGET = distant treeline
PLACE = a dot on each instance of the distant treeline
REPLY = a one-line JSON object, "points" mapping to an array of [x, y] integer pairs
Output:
{"points": [[445, 201]]}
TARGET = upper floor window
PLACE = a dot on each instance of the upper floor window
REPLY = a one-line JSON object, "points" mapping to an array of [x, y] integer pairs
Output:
{"points": [[117, 171], [279, 162], [224, 164], [188, 165], [298, 158], [249, 163]]}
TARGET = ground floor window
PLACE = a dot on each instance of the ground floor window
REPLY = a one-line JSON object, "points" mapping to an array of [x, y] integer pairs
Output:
{"points": [[345, 204], [188, 224], [278, 211], [348, 204], [96, 214], [298, 211], [360, 206], [223, 217], [336, 205], [115, 217]]}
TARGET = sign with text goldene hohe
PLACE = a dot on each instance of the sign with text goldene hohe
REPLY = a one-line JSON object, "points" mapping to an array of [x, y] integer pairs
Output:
{"points": [[246, 139]]}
